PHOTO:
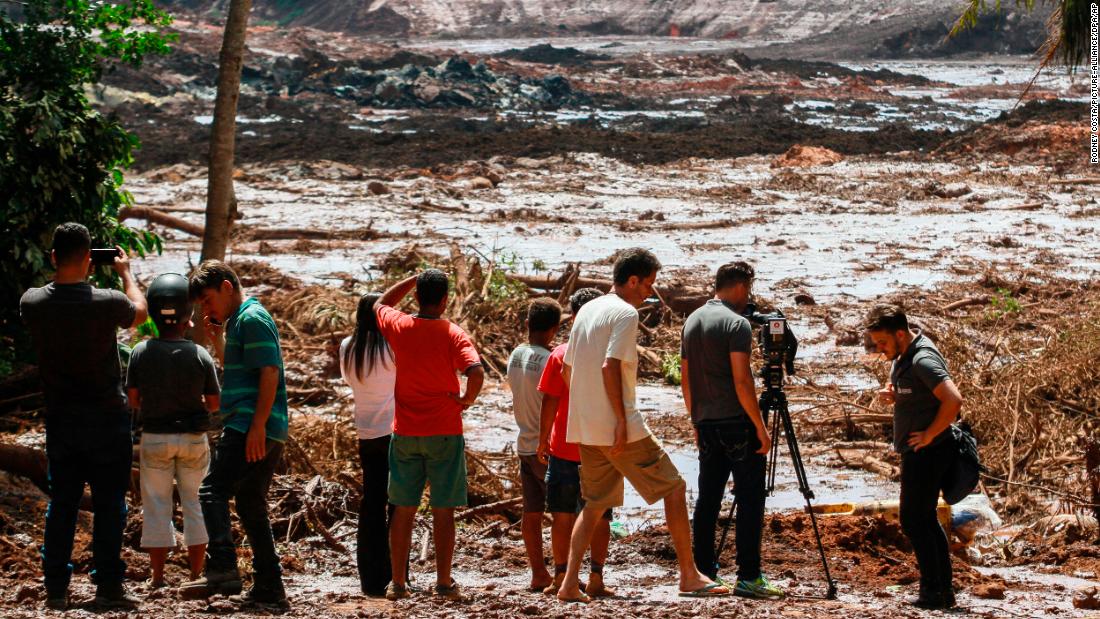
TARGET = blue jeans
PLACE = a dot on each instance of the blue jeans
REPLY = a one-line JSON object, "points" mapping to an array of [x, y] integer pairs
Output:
{"points": [[231, 476], [725, 449], [97, 451]]}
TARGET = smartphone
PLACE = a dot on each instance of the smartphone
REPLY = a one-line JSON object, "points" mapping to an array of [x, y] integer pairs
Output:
{"points": [[104, 256]]}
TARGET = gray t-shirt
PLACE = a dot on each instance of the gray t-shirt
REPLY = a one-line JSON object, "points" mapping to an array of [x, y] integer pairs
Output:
{"points": [[915, 375], [73, 328], [172, 376], [710, 334], [524, 371]]}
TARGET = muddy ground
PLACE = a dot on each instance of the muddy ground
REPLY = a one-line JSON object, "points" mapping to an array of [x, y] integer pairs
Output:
{"points": [[354, 167]]}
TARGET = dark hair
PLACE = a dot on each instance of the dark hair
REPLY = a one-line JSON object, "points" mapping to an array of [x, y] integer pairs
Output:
{"points": [[886, 317], [367, 340], [71, 241], [733, 273], [543, 314], [431, 287], [582, 296], [211, 274], [635, 261]]}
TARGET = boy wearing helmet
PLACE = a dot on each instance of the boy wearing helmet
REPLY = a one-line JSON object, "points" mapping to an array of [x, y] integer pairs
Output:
{"points": [[173, 384]]}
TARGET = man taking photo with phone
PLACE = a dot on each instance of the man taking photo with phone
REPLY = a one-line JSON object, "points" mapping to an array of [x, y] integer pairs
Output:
{"points": [[73, 328]]}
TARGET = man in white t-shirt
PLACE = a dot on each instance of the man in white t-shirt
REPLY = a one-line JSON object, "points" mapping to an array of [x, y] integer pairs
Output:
{"points": [[601, 368]]}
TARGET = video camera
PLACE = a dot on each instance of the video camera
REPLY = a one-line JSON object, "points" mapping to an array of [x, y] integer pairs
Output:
{"points": [[777, 343]]}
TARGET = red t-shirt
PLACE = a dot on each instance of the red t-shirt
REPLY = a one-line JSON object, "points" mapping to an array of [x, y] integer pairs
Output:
{"points": [[429, 352], [552, 384]]}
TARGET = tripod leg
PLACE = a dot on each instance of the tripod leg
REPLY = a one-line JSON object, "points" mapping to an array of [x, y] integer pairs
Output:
{"points": [[725, 530], [804, 487]]}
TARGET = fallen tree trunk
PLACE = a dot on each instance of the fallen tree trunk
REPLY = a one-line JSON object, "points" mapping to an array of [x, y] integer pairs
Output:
{"points": [[157, 217], [680, 298], [488, 508], [31, 463]]}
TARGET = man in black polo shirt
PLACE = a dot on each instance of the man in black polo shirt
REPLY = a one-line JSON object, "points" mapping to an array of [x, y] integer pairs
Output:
{"points": [[926, 403], [720, 394], [73, 326]]}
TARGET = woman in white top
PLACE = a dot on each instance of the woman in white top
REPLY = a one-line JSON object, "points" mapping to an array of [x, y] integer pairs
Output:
{"points": [[366, 364]]}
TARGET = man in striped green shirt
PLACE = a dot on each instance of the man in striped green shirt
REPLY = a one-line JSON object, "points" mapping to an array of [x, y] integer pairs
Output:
{"points": [[254, 416]]}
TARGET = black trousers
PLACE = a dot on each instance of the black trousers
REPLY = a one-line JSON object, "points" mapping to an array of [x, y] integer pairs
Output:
{"points": [[96, 451], [922, 474], [231, 476], [725, 449], [373, 552]]}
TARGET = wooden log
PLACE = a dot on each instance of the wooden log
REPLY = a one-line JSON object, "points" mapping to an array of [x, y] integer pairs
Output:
{"points": [[160, 218], [679, 298], [982, 299], [488, 508]]}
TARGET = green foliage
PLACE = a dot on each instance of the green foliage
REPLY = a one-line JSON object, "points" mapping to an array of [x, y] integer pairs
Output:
{"points": [[538, 265], [61, 160], [670, 368], [502, 287], [1003, 303]]}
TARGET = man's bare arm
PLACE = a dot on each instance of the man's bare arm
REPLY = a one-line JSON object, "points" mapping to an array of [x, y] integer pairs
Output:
{"points": [[746, 394], [398, 291]]}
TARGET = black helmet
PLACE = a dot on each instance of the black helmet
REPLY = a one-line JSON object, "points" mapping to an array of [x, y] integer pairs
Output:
{"points": [[169, 300]]}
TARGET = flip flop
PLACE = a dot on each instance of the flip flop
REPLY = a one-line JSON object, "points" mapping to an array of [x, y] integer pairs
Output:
{"points": [[708, 591], [582, 599]]}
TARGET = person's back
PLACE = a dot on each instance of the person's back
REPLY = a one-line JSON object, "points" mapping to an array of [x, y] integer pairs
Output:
{"points": [[525, 367], [429, 352], [73, 329], [172, 376], [604, 328], [711, 333], [372, 387]]}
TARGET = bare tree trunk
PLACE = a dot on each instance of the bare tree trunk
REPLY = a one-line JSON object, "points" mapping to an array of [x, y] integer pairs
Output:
{"points": [[219, 193]]}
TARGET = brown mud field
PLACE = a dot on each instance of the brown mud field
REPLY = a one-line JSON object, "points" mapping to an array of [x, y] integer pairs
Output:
{"points": [[845, 184]]}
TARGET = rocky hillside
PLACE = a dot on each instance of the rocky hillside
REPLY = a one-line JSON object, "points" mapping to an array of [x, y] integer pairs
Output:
{"points": [[762, 22]]}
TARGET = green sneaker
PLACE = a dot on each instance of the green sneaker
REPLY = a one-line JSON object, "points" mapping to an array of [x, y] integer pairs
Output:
{"points": [[759, 589]]}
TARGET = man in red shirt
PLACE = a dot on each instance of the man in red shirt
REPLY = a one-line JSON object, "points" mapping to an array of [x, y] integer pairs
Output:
{"points": [[427, 444], [563, 460]]}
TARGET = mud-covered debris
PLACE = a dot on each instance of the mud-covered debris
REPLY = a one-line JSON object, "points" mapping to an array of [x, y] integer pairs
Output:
{"points": [[804, 298], [480, 182], [1087, 599], [376, 188], [545, 53], [799, 156], [989, 590]]}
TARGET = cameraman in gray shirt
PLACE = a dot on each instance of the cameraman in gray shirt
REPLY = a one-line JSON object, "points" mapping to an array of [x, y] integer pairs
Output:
{"points": [[719, 392]]}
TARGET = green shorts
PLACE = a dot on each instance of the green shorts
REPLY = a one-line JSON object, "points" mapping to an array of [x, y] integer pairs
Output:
{"points": [[436, 460]]}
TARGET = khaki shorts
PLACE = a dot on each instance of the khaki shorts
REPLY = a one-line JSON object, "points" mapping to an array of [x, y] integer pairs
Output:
{"points": [[643, 462]]}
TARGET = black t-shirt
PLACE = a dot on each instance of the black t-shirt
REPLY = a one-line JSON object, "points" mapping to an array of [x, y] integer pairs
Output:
{"points": [[171, 377], [73, 328]]}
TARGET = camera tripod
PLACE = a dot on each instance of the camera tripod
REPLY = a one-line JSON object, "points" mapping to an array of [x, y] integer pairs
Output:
{"points": [[774, 400]]}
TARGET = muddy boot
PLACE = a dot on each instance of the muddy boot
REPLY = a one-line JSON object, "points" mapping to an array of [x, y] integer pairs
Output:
{"points": [[272, 594], [214, 583], [57, 600], [113, 595]]}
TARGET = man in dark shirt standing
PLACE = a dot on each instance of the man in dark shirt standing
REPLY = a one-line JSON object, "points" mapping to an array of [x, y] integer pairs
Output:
{"points": [[926, 402], [720, 394], [73, 328]]}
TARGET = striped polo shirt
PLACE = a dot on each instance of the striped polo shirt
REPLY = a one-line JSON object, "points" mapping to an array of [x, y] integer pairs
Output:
{"points": [[251, 343]]}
